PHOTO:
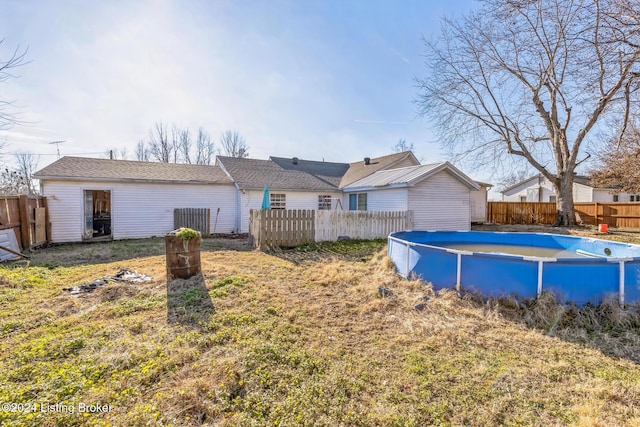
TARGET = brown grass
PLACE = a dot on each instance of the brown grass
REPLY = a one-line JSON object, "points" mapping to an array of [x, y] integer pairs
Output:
{"points": [[295, 338]]}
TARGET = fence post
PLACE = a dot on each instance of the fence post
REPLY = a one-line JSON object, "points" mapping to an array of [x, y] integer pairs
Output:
{"points": [[25, 224]]}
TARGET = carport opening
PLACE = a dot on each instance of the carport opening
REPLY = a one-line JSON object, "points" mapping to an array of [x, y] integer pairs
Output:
{"points": [[97, 214]]}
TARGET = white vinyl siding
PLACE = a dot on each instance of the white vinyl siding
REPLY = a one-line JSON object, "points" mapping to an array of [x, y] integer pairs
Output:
{"points": [[252, 199], [387, 200], [582, 193], [138, 210], [440, 202], [479, 205]]}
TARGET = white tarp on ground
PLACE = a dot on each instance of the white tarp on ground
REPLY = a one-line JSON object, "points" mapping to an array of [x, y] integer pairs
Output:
{"points": [[8, 240]]}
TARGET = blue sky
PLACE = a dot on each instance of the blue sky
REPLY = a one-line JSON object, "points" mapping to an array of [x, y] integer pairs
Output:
{"points": [[312, 79]]}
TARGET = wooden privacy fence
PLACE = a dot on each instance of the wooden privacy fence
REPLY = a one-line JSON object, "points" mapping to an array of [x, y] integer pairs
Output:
{"points": [[614, 214], [521, 212], [198, 219], [280, 227], [290, 228], [27, 216]]}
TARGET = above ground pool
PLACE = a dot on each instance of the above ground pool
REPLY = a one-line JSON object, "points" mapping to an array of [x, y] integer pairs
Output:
{"points": [[578, 270]]}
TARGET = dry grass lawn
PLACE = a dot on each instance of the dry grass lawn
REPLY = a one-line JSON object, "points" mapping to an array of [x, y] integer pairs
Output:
{"points": [[298, 338]]}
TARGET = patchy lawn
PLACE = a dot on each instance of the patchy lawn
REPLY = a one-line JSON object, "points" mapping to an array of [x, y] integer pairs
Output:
{"points": [[298, 337]]}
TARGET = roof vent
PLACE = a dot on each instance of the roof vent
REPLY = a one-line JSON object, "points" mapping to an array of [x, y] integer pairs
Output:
{"points": [[294, 160], [367, 161]]}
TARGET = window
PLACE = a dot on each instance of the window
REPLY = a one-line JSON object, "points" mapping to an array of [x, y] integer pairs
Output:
{"points": [[523, 198], [278, 201], [615, 197], [358, 202], [324, 202], [552, 199]]}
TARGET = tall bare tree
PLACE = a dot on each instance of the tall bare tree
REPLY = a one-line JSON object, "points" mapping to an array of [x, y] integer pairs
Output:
{"points": [[402, 146], [142, 152], [15, 59], [233, 145], [205, 149], [19, 180], [160, 147], [531, 79], [184, 145], [619, 162]]}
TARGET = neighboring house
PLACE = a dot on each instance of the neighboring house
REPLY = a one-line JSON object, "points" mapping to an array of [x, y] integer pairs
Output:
{"points": [[438, 194], [119, 199], [540, 189], [93, 198]]}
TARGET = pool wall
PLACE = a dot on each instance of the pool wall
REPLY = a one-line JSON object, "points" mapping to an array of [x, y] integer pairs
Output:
{"points": [[578, 280]]}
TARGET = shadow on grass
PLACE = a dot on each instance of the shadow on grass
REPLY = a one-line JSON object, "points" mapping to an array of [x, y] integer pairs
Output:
{"points": [[188, 301]]}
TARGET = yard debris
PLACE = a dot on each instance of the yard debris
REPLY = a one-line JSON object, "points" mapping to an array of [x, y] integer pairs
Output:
{"points": [[122, 276], [384, 291]]}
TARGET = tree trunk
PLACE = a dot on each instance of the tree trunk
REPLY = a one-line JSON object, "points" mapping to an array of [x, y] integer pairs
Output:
{"points": [[565, 214]]}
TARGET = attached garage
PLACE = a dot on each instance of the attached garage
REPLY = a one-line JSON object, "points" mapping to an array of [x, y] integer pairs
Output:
{"points": [[438, 194], [90, 199]]}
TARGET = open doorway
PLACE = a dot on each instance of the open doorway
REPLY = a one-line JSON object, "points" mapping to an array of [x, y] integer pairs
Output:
{"points": [[97, 214]]}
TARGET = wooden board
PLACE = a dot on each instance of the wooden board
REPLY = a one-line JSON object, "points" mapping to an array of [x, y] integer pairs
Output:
{"points": [[41, 230]]}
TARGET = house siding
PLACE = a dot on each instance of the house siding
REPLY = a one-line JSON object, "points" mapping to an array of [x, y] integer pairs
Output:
{"points": [[252, 199], [440, 202], [403, 164], [582, 193], [138, 210], [478, 200], [391, 199]]}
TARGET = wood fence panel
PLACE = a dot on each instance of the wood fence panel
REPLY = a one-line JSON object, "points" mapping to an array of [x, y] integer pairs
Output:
{"points": [[289, 228], [614, 214], [521, 212], [198, 219]]}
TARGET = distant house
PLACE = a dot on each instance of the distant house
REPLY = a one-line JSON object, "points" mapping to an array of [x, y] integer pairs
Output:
{"points": [[540, 189], [94, 198]]}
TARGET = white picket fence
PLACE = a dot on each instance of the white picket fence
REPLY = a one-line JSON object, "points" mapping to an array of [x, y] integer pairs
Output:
{"points": [[289, 228], [360, 224]]}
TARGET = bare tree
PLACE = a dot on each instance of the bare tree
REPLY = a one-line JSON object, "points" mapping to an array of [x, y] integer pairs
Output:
{"points": [[233, 145], [8, 117], [20, 180], [531, 79], [205, 149], [618, 167], [142, 152], [160, 148], [184, 145], [402, 146], [115, 154]]}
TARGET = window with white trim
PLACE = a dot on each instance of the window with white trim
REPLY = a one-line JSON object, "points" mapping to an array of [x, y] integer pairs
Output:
{"points": [[324, 202], [278, 200], [552, 199], [523, 199]]}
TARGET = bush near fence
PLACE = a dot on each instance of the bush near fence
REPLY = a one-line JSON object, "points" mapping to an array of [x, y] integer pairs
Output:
{"points": [[290, 228], [614, 214]]}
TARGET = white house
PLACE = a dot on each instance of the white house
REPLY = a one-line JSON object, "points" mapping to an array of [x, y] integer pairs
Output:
{"points": [[540, 189], [100, 198], [118, 199], [438, 194]]}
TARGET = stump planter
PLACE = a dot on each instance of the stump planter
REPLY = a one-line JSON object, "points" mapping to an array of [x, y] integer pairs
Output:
{"points": [[182, 253]]}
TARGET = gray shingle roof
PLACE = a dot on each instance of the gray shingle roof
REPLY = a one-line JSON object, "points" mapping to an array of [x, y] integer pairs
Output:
{"points": [[327, 171], [68, 168], [253, 174], [408, 176], [359, 170]]}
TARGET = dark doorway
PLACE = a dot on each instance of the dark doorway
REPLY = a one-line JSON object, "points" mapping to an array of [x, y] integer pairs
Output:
{"points": [[97, 214]]}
